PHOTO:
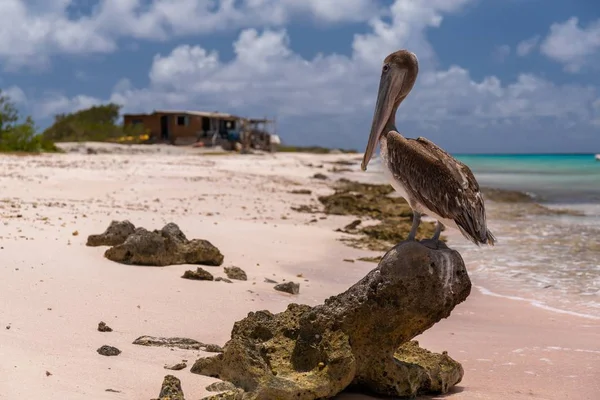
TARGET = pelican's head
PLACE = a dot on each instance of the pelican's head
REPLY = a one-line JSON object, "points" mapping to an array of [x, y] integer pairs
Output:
{"points": [[398, 76]]}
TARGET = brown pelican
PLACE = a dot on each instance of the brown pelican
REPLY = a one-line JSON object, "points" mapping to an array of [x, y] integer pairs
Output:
{"points": [[431, 181]]}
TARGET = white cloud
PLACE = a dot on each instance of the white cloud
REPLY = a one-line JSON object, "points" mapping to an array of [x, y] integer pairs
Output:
{"points": [[526, 46], [324, 10], [15, 94], [57, 104], [27, 36], [329, 99], [265, 68], [410, 19], [573, 46], [264, 71], [33, 30]]}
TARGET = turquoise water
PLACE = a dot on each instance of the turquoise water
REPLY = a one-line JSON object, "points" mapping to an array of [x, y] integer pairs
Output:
{"points": [[553, 178], [553, 260]]}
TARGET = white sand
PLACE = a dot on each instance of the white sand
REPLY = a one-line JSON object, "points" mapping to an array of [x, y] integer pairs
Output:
{"points": [[55, 289]]}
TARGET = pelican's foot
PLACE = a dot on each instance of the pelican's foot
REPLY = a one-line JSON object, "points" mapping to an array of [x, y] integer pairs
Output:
{"points": [[434, 242]]}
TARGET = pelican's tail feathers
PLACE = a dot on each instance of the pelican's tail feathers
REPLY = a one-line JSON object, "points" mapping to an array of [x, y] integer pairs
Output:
{"points": [[490, 239], [486, 238]]}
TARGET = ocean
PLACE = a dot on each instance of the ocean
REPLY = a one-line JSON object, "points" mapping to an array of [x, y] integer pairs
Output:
{"points": [[553, 178], [548, 256]]}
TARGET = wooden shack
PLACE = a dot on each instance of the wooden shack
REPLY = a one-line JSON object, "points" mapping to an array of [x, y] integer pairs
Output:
{"points": [[184, 127]]}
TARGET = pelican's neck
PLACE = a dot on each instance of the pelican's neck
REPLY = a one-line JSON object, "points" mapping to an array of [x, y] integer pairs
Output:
{"points": [[390, 125]]}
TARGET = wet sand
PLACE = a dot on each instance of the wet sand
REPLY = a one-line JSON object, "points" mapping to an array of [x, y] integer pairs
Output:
{"points": [[55, 289]]}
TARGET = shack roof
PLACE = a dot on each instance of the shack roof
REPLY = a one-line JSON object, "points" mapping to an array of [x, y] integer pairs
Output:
{"points": [[190, 112], [208, 114]]}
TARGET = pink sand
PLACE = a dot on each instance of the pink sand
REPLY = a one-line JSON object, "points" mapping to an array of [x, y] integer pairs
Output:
{"points": [[55, 289]]}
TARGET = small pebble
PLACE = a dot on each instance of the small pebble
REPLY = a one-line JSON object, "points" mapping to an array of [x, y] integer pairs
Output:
{"points": [[176, 367], [108, 351], [288, 287], [102, 327]]}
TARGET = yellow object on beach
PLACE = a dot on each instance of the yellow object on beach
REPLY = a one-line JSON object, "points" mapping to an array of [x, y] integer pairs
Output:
{"points": [[133, 138]]}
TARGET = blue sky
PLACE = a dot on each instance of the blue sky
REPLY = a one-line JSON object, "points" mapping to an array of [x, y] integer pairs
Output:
{"points": [[495, 75]]}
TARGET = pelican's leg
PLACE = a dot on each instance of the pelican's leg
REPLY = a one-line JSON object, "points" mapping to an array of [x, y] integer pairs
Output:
{"points": [[438, 231], [415, 225]]}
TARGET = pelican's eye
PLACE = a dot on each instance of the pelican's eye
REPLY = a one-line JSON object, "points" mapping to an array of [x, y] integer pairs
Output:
{"points": [[386, 67]]}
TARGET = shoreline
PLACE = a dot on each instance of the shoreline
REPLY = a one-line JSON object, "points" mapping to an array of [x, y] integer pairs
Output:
{"points": [[526, 227], [535, 303], [510, 285], [56, 295], [526, 351]]}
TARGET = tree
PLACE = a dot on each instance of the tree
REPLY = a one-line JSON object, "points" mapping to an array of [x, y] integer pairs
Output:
{"points": [[15, 136], [97, 123], [8, 114]]}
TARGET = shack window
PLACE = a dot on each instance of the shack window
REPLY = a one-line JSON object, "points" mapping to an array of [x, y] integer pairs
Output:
{"points": [[230, 125], [183, 120], [137, 121]]}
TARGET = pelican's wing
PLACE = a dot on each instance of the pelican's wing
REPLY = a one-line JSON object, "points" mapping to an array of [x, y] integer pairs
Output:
{"points": [[441, 183], [459, 171]]}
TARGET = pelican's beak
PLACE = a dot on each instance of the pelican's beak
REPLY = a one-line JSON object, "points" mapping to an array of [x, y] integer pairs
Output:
{"points": [[390, 87]]}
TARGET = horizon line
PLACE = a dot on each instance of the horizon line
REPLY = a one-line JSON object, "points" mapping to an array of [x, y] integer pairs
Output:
{"points": [[526, 154]]}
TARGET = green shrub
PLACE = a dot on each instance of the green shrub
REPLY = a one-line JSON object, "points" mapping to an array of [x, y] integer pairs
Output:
{"points": [[95, 124], [19, 137]]}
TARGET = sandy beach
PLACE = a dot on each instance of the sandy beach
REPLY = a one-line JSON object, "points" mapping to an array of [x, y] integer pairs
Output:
{"points": [[55, 289]]}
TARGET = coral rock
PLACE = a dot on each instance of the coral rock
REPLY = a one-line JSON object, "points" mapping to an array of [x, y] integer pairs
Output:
{"points": [[288, 287], [236, 273], [116, 233], [181, 343], [102, 327], [368, 200], [108, 351], [220, 387], [171, 389], [199, 274], [167, 246], [358, 338], [176, 367]]}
